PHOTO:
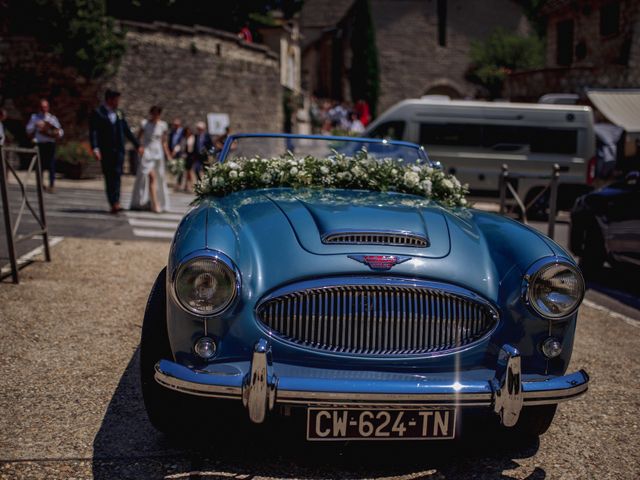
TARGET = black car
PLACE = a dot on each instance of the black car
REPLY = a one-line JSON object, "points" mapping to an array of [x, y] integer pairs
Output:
{"points": [[605, 225]]}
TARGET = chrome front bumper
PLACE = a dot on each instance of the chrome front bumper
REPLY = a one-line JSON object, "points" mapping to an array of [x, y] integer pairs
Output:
{"points": [[260, 388]]}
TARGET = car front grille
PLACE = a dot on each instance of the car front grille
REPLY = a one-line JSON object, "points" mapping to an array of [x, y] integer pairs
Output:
{"points": [[403, 318], [400, 239]]}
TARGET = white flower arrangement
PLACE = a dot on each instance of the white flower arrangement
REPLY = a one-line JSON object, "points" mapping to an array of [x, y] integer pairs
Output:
{"points": [[176, 166], [359, 172]]}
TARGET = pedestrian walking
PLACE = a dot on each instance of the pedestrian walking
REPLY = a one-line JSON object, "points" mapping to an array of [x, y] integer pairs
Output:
{"points": [[175, 137], [188, 152], [203, 145], [150, 190], [107, 133], [44, 129]]}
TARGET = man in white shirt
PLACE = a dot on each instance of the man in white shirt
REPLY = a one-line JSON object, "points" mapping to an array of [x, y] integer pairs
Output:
{"points": [[45, 129]]}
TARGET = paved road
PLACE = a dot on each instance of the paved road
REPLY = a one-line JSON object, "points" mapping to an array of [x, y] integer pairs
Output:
{"points": [[70, 403], [82, 212]]}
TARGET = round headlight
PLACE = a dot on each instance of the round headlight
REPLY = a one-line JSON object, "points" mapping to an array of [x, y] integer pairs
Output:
{"points": [[205, 285], [555, 290]]}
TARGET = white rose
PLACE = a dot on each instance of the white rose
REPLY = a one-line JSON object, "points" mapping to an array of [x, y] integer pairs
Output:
{"points": [[293, 171], [426, 185], [411, 179], [463, 201], [324, 170], [253, 160], [233, 174], [394, 171], [448, 184], [415, 168], [241, 174], [265, 178], [234, 166], [456, 182]]}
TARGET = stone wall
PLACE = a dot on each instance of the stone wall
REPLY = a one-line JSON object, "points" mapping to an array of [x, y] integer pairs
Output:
{"points": [[412, 63], [193, 71], [190, 71]]}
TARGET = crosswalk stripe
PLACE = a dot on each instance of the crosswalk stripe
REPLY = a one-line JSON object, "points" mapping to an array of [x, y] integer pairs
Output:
{"points": [[149, 233], [151, 215], [134, 222]]}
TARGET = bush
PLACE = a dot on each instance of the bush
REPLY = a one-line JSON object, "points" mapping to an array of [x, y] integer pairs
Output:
{"points": [[500, 54], [74, 153]]}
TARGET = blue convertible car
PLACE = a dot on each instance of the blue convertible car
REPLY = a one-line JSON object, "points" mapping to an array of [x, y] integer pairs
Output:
{"points": [[374, 313]]}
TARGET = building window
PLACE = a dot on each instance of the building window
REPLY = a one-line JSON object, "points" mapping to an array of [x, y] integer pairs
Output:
{"points": [[442, 23], [564, 43], [610, 19]]}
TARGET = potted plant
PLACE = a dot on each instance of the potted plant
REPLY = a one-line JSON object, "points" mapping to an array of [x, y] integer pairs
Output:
{"points": [[75, 160]]}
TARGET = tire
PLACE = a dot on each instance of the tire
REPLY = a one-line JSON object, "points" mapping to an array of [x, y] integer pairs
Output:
{"points": [[161, 404], [534, 421]]}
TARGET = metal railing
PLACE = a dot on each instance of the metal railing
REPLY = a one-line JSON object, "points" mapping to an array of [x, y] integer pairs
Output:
{"points": [[551, 187], [11, 228]]}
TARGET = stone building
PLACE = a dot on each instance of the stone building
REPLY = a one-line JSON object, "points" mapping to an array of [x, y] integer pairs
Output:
{"points": [[423, 45], [190, 71], [590, 44]]}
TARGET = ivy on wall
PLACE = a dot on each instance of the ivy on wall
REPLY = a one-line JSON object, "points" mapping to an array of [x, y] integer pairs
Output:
{"points": [[365, 73]]}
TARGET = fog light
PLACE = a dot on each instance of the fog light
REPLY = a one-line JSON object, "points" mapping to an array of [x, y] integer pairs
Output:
{"points": [[551, 347], [205, 347]]}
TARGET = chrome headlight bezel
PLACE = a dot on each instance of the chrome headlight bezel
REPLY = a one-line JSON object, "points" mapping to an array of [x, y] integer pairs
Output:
{"points": [[535, 271], [212, 256]]}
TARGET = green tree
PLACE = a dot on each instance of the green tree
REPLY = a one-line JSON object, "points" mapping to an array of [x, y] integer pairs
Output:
{"points": [[79, 31], [500, 54], [365, 75]]}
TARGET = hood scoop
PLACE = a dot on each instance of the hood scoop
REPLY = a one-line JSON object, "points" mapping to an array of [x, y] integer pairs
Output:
{"points": [[356, 222], [376, 237]]}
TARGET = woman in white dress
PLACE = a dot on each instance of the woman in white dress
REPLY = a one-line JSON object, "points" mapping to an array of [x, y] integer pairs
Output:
{"points": [[150, 189]]}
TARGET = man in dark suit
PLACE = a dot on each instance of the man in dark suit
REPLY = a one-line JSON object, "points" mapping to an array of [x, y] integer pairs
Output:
{"points": [[108, 131], [175, 136], [203, 144]]}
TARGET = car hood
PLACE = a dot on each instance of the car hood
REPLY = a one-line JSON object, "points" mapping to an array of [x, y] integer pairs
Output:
{"points": [[275, 237], [316, 214]]}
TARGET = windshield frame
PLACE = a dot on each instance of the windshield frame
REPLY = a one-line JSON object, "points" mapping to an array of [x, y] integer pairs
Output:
{"points": [[237, 136]]}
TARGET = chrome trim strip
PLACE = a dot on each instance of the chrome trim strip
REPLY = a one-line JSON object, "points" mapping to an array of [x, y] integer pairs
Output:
{"points": [[302, 398], [396, 238], [192, 388]]}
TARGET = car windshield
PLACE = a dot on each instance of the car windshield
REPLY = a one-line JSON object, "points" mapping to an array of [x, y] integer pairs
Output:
{"points": [[268, 146]]}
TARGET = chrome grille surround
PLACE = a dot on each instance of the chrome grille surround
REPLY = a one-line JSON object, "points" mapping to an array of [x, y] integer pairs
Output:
{"points": [[377, 316], [376, 237]]}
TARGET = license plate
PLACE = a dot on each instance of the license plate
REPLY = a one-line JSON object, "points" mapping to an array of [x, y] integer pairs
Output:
{"points": [[377, 424]]}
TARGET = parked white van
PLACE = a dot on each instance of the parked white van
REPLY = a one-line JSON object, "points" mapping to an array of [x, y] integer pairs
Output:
{"points": [[472, 139]]}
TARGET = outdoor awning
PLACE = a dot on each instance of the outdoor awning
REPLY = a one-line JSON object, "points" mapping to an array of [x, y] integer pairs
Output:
{"points": [[620, 106]]}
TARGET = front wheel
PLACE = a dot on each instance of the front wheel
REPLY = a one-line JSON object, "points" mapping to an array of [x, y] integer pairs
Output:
{"points": [[534, 421], [161, 404]]}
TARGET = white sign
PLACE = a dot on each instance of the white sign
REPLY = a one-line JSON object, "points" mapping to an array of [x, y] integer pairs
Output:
{"points": [[217, 122]]}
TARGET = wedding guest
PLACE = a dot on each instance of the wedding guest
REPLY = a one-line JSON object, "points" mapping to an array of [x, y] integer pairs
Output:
{"points": [[356, 125], [108, 130], [364, 114], [45, 129], [202, 146], [175, 136], [188, 152], [150, 188]]}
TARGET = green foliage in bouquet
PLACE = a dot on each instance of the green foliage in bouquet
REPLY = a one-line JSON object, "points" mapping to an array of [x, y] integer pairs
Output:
{"points": [[176, 166], [359, 172]]}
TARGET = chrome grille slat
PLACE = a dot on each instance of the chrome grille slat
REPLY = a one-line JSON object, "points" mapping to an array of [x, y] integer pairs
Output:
{"points": [[378, 319], [402, 239]]}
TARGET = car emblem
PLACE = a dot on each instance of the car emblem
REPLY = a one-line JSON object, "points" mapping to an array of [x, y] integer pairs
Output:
{"points": [[380, 262]]}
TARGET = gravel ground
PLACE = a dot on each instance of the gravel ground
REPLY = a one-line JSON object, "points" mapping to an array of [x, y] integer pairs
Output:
{"points": [[70, 406]]}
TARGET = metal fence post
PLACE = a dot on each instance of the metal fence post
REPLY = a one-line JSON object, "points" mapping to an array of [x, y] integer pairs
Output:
{"points": [[553, 200], [7, 217], [43, 219], [502, 185]]}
